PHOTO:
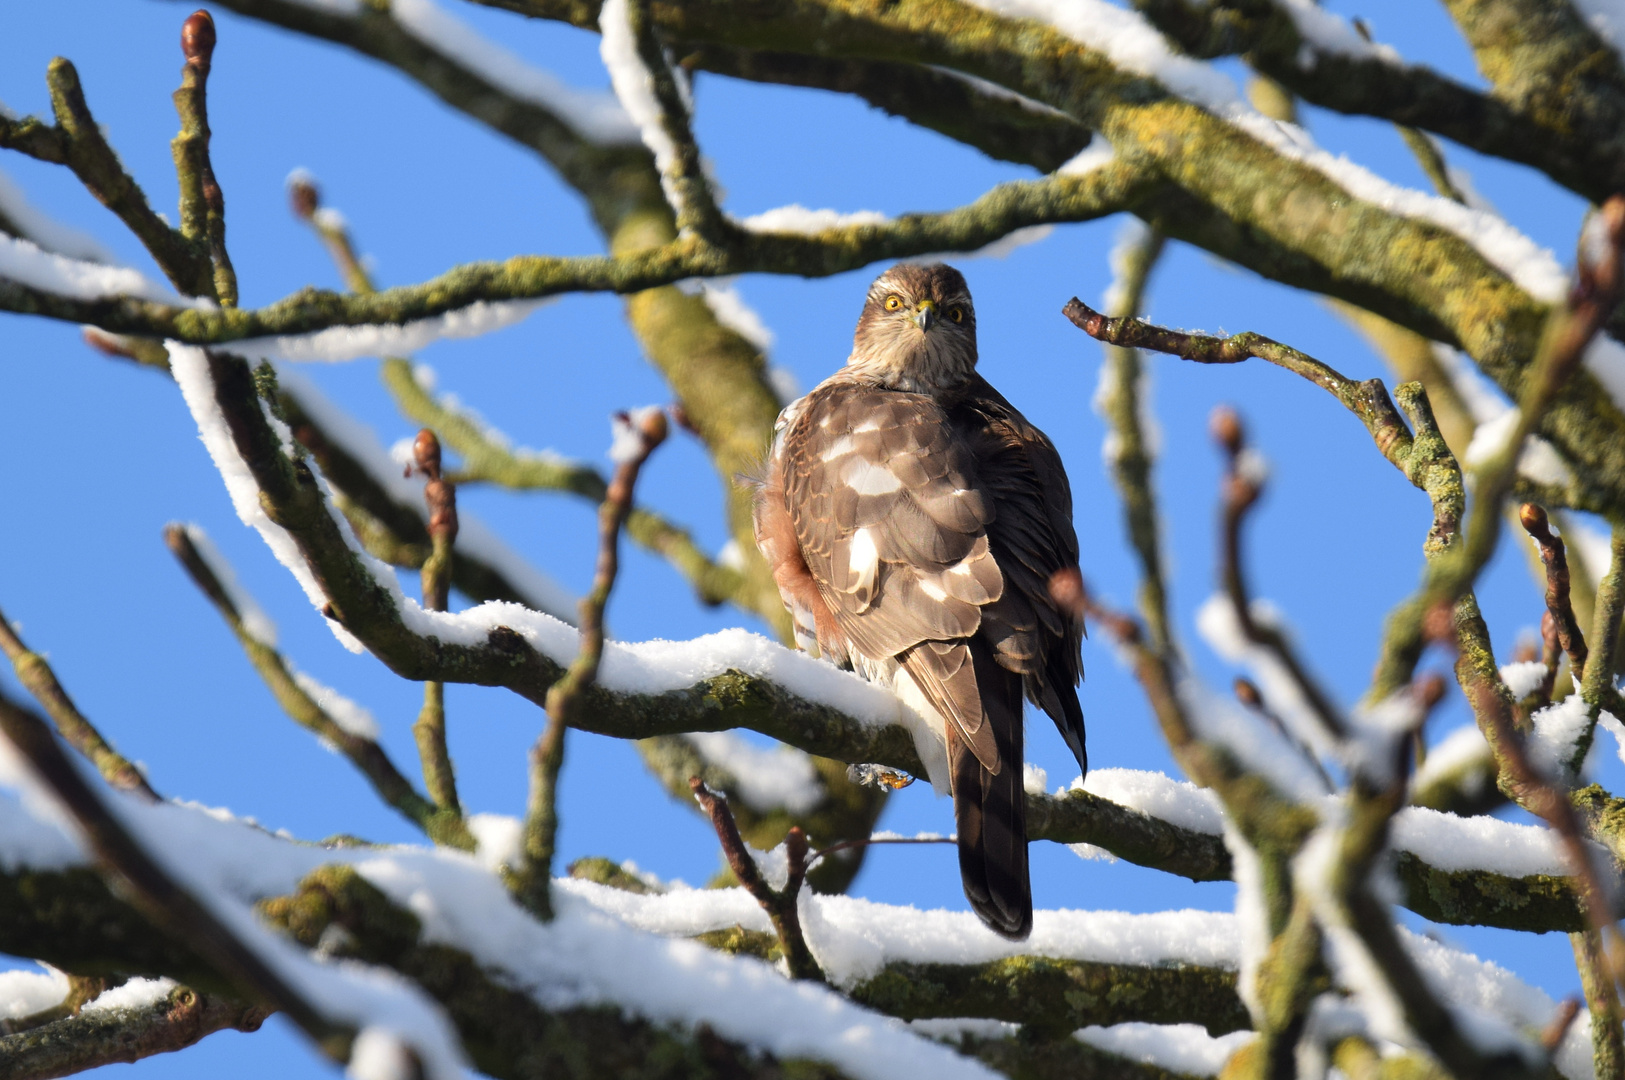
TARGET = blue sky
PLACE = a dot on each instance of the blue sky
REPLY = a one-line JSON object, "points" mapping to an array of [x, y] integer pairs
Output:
{"points": [[102, 455]]}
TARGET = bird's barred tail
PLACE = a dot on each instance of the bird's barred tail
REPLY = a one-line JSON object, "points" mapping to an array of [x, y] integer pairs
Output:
{"points": [[990, 811]]}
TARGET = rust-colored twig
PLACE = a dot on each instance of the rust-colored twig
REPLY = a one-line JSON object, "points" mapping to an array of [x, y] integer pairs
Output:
{"points": [[1558, 606], [1242, 485], [780, 904], [532, 882], [440, 495]]}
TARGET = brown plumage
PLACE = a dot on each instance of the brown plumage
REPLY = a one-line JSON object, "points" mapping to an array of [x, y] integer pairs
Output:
{"points": [[913, 520]]}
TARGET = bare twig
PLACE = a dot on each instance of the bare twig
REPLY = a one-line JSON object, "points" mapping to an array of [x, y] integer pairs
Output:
{"points": [[37, 677], [203, 207], [363, 752], [76, 140], [780, 904], [1242, 486], [1553, 555], [1597, 982], [440, 496], [532, 881], [682, 174], [158, 894], [1121, 387]]}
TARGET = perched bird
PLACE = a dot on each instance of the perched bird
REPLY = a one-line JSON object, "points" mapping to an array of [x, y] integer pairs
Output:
{"points": [[914, 521]]}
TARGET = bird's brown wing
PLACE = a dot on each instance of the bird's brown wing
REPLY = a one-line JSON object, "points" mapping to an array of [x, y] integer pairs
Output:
{"points": [[1031, 539], [882, 494]]}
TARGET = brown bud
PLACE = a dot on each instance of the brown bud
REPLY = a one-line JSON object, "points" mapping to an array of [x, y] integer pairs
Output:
{"points": [[1533, 519], [1525, 650], [304, 198], [426, 452], [1066, 589], [654, 428], [1226, 429], [197, 39], [1247, 693]]}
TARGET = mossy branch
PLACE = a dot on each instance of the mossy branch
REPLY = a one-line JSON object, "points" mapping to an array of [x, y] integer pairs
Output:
{"points": [[35, 673], [88, 1040]]}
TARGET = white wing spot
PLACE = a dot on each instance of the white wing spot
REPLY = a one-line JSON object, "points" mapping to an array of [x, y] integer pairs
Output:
{"points": [[865, 560], [867, 478], [869, 424], [836, 449], [930, 588]]}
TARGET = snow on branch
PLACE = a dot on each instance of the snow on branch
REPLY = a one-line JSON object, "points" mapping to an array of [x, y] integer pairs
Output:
{"points": [[1133, 45], [732, 678], [597, 117]]}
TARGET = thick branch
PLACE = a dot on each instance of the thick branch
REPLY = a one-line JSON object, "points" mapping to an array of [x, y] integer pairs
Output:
{"points": [[108, 1036]]}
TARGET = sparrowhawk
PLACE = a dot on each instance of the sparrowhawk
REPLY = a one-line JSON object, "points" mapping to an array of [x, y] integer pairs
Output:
{"points": [[914, 520]]}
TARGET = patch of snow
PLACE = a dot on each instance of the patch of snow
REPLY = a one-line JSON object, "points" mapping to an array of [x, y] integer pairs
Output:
{"points": [[134, 994], [351, 717], [379, 1054], [627, 431], [1558, 729], [1034, 780], [474, 537], [1456, 750], [24, 993], [1180, 1048], [1325, 32], [337, 344], [45, 231], [25, 262], [1539, 459], [1178, 802], [596, 117], [796, 218], [256, 623], [499, 837], [766, 779], [634, 86], [1522, 677], [1448, 842], [721, 295], [1097, 155], [1130, 42]]}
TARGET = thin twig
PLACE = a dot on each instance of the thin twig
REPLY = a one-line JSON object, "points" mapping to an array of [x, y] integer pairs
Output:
{"points": [[1555, 558], [870, 841], [1122, 403], [683, 176], [363, 752], [532, 881], [37, 677], [76, 140], [1242, 486], [440, 496], [159, 895], [780, 904], [1596, 981], [203, 206]]}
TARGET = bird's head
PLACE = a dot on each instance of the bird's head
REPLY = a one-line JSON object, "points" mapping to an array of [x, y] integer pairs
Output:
{"points": [[918, 329]]}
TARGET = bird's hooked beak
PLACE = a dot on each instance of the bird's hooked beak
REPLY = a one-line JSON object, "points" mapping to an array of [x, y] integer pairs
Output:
{"points": [[926, 314]]}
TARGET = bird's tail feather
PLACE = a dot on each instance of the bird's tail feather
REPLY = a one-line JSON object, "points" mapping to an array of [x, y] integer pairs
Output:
{"points": [[990, 810]]}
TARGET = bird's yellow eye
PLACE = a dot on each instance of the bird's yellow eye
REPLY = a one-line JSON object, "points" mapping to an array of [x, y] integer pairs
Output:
{"points": [[894, 302], [956, 313]]}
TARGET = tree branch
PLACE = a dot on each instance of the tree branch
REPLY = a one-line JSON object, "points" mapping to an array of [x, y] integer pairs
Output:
{"points": [[97, 1037], [363, 752], [37, 677]]}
